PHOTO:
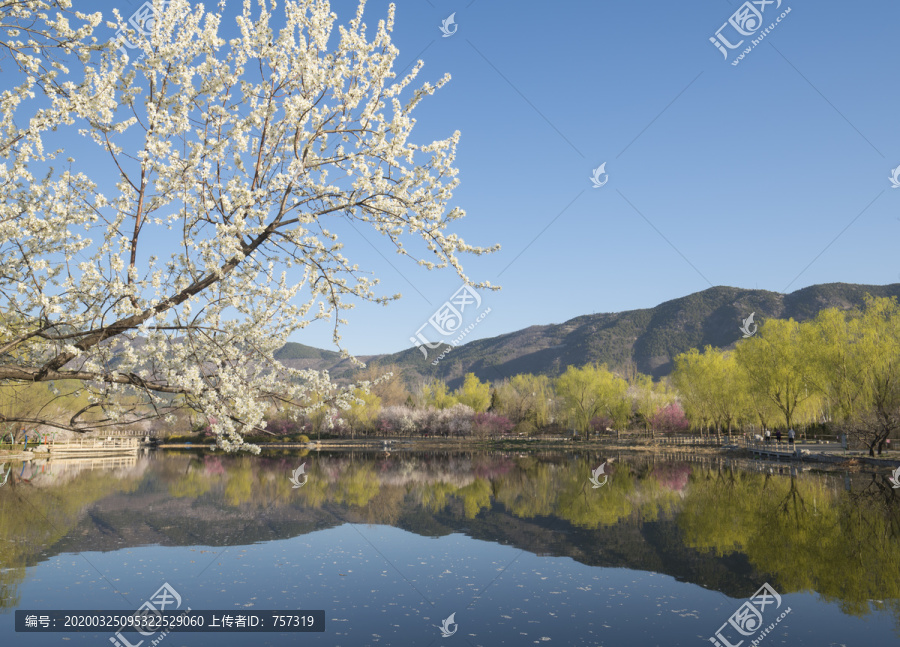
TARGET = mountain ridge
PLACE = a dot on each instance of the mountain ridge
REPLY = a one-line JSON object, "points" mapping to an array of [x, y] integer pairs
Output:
{"points": [[645, 339]]}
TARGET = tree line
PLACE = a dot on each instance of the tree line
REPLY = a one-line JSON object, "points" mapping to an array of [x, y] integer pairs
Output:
{"points": [[838, 373]]}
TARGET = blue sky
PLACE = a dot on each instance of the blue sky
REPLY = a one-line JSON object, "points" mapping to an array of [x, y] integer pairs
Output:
{"points": [[769, 174]]}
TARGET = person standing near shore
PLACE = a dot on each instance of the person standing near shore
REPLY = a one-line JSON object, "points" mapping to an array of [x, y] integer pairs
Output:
{"points": [[791, 437], [778, 436], [768, 436]]}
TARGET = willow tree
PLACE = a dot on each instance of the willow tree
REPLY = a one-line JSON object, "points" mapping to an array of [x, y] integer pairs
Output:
{"points": [[694, 389], [525, 399], [592, 391], [856, 359], [838, 367], [711, 387], [645, 402], [777, 362], [174, 250]]}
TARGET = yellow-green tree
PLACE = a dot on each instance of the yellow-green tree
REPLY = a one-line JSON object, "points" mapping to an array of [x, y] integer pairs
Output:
{"points": [[239, 487], [730, 400], [837, 365], [363, 411], [525, 399], [712, 388], [435, 394], [857, 366], [592, 391], [22, 401], [761, 409], [474, 393], [776, 362], [647, 397], [475, 497], [48, 403]]}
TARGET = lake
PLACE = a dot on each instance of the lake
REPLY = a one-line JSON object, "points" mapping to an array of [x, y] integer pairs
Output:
{"points": [[521, 548]]}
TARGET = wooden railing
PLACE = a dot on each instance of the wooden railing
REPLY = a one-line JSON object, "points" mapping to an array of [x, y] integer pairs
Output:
{"points": [[690, 440]]}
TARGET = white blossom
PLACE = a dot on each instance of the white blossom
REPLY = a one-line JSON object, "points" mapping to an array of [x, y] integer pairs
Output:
{"points": [[236, 153]]}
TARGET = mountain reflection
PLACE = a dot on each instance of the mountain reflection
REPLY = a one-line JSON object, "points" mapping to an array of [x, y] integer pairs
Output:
{"points": [[720, 524]]}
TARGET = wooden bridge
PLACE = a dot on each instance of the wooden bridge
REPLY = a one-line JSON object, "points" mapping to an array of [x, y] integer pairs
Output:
{"points": [[90, 446]]}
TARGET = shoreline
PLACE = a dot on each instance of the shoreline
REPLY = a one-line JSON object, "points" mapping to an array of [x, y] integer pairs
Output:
{"points": [[804, 454]]}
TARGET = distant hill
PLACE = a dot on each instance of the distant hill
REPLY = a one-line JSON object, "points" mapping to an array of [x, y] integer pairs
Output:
{"points": [[647, 339], [301, 356], [293, 350]]}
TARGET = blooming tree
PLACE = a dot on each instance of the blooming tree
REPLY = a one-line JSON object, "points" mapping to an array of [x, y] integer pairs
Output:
{"points": [[160, 264], [397, 420], [491, 424], [457, 420], [670, 418]]}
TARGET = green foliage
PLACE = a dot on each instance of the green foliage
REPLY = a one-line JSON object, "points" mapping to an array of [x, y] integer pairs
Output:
{"points": [[777, 361], [527, 491], [363, 412], [526, 401], [358, 485], [435, 495], [712, 388], [855, 364], [642, 398], [184, 438], [33, 519], [591, 391], [239, 488], [803, 533], [588, 508], [56, 401], [474, 393], [435, 394]]}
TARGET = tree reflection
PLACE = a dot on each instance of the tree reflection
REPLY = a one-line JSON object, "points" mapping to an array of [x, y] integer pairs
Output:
{"points": [[803, 531], [38, 511]]}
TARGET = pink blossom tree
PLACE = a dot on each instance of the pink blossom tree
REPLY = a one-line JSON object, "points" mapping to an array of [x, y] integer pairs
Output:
{"points": [[670, 419]]}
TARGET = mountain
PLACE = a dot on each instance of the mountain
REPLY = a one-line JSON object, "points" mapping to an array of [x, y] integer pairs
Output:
{"points": [[301, 356], [646, 340]]}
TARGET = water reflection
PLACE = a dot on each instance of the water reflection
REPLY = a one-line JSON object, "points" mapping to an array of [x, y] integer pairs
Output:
{"points": [[727, 526]]}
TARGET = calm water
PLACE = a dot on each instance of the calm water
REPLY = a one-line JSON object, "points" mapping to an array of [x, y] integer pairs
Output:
{"points": [[521, 548]]}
